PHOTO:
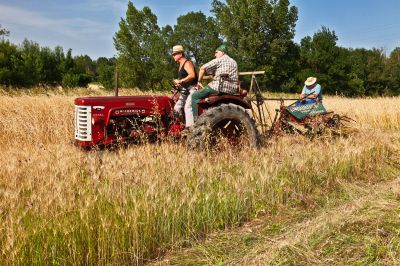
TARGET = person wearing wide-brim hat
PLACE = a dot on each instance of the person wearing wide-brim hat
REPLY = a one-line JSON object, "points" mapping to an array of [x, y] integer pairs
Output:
{"points": [[187, 79], [224, 72], [311, 92]]}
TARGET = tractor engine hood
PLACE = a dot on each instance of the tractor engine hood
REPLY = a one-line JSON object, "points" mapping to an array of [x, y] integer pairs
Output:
{"points": [[120, 105]]}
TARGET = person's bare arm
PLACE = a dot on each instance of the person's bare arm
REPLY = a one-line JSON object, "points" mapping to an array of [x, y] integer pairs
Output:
{"points": [[312, 96], [201, 75]]}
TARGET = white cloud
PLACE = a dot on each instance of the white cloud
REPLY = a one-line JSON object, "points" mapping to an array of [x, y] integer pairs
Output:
{"points": [[13, 15], [77, 28], [82, 34], [117, 5]]}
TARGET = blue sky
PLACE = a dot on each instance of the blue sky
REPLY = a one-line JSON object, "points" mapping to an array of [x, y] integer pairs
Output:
{"points": [[87, 26]]}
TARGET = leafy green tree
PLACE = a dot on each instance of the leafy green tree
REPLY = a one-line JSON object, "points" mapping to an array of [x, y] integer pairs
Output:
{"points": [[377, 82], [358, 59], [355, 85], [70, 80], [260, 35], [167, 33], [4, 32], [84, 64], [27, 64], [76, 71], [198, 35], [67, 64], [393, 71], [106, 76], [142, 53], [85, 68], [105, 70], [50, 67], [8, 51], [367, 73], [321, 57]]}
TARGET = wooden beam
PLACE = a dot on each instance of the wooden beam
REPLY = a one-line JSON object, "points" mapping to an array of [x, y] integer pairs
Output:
{"points": [[251, 73], [241, 74]]}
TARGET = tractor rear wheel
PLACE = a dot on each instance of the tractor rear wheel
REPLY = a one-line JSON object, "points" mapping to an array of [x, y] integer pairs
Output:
{"points": [[224, 125]]}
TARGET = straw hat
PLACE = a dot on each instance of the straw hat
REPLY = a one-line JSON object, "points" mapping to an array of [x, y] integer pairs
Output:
{"points": [[310, 81], [177, 49]]}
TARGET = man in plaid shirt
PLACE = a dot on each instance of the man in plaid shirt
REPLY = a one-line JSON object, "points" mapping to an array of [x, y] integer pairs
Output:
{"points": [[225, 77]]}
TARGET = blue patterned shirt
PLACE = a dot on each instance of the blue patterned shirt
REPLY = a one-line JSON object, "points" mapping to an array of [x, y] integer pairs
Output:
{"points": [[316, 90]]}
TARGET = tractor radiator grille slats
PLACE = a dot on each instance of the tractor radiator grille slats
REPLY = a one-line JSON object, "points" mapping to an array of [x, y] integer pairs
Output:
{"points": [[83, 127]]}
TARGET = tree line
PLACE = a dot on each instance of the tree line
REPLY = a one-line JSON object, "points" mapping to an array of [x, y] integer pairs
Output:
{"points": [[28, 64], [260, 36], [258, 33]]}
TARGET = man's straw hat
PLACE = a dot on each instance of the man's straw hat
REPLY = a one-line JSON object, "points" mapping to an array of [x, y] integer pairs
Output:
{"points": [[177, 49], [310, 81]]}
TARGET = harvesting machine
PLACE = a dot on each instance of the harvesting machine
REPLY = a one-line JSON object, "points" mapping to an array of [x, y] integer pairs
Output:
{"points": [[238, 119]]}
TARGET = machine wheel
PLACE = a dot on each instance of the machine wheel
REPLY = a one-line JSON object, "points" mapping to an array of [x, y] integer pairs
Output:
{"points": [[224, 125]]}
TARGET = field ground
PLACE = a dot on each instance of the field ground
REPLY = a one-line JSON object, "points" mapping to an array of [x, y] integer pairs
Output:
{"points": [[329, 201], [359, 226]]}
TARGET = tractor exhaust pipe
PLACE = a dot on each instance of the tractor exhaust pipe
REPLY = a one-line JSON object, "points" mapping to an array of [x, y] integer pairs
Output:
{"points": [[116, 83]]}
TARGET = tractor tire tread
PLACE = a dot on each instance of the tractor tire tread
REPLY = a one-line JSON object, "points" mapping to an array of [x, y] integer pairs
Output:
{"points": [[202, 127]]}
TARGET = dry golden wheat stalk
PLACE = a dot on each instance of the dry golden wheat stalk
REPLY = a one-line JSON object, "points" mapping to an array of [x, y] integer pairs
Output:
{"points": [[131, 204]]}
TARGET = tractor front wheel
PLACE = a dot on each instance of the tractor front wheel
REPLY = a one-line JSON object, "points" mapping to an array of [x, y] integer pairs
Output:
{"points": [[224, 125]]}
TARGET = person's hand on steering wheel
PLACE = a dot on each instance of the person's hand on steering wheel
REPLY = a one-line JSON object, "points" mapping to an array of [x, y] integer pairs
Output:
{"points": [[177, 82]]}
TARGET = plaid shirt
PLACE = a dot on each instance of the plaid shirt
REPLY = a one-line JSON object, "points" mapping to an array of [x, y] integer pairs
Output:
{"points": [[219, 66]]}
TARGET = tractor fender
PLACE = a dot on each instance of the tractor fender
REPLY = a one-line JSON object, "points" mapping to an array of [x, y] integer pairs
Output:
{"points": [[215, 100]]}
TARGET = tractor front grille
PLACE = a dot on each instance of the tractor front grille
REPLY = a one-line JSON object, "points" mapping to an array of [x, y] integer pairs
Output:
{"points": [[83, 126]]}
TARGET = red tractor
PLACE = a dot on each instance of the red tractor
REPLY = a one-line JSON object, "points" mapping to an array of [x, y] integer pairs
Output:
{"points": [[110, 120]]}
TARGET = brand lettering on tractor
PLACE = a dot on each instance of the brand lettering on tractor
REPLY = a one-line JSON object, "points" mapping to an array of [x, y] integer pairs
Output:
{"points": [[98, 108], [130, 111]]}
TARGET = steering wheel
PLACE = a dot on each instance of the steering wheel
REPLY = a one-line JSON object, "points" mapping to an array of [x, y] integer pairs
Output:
{"points": [[172, 84], [178, 87]]}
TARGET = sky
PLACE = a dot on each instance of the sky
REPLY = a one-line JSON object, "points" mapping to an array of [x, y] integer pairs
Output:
{"points": [[88, 26]]}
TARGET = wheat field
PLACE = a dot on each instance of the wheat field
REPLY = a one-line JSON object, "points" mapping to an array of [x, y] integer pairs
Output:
{"points": [[60, 205]]}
